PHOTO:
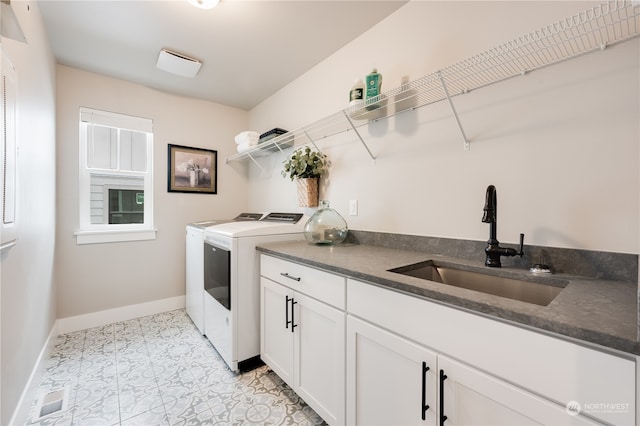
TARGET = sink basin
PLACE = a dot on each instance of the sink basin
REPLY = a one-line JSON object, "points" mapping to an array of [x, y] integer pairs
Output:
{"points": [[540, 292]]}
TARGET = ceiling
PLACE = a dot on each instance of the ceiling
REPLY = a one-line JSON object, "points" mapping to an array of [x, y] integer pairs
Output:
{"points": [[249, 49]]}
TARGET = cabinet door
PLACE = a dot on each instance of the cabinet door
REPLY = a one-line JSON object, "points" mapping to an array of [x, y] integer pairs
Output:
{"points": [[469, 396], [387, 383], [276, 342], [319, 357], [194, 278], [559, 370]]}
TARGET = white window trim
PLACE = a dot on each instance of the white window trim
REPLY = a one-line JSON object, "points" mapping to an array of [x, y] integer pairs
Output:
{"points": [[114, 236], [107, 233]]}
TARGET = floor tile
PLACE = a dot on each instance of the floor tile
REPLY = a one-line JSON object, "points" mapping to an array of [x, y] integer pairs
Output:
{"points": [[103, 410], [184, 405], [135, 400], [155, 417], [159, 370]]}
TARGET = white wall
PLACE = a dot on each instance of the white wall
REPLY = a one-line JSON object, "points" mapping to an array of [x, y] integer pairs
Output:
{"points": [[98, 277], [560, 144], [27, 269]]}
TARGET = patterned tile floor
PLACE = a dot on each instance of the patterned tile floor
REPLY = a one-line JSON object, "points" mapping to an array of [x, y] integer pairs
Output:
{"points": [[158, 370]]}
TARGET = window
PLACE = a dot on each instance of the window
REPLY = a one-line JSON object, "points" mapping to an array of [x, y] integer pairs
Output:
{"points": [[126, 206], [116, 177]]}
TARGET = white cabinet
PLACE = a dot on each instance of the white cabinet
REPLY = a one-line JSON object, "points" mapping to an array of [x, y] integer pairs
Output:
{"points": [[469, 396], [318, 356], [366, 355], [303, 335], [195, 276], [276, 330], [501, 373], [390, 380]]}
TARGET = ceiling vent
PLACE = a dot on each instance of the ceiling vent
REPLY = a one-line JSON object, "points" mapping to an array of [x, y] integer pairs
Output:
{"points": [[177, 63]]}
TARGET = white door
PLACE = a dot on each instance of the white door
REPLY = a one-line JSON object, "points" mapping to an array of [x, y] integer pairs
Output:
{"points": [[319, 357], [471, 397], [195, 277], [390, 381], [276, 343]]}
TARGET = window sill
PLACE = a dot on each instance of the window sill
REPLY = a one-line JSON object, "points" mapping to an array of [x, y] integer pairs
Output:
{"points": [[114, 236]]}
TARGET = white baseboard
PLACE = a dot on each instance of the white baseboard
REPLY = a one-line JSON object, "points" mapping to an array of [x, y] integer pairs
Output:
{"points": [[124, 313], [24, 404]]}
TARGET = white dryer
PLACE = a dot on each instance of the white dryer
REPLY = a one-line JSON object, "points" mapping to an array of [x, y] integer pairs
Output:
{"points": [[232, 283]]}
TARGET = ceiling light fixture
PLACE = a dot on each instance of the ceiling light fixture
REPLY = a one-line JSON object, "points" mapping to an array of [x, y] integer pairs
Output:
{"points": [[177, 63], [204, 4]]}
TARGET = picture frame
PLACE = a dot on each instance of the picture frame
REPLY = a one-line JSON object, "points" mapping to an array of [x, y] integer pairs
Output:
{"points": [[192, 170]]}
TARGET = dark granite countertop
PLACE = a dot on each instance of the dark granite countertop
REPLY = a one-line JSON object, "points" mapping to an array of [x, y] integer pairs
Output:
{"points": [[588, 309]]}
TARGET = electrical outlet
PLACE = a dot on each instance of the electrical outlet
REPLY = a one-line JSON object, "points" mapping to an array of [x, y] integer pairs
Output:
{"points": [[353, 207]]}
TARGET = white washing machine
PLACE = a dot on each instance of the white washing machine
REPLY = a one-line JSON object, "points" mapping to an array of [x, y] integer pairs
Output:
{"points": [[232, 283], [195, 265]]}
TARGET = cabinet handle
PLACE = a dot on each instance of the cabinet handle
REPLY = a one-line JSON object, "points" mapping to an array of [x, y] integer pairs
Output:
{"points": [[291, 277], [425, 406], [286, 311], [443, 377], [293, 321]]}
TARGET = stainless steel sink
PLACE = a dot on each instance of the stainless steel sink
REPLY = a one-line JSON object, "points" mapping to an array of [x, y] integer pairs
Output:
{"points": [[540, 291]]}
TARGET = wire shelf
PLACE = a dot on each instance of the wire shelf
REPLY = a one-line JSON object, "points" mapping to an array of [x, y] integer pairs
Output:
{"points": [[588, 31]]}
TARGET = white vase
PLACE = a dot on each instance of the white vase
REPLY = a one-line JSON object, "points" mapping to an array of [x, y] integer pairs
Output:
{"points": [[193, 178]]}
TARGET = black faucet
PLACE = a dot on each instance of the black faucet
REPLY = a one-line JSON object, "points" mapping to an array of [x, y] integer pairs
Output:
{"points": [[493, 250]]}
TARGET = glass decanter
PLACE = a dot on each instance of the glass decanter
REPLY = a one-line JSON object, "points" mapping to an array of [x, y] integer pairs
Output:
{"points": [[326, 226]]}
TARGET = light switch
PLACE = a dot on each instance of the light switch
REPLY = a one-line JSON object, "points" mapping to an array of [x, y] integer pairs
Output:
{"points": [[353, 207]]}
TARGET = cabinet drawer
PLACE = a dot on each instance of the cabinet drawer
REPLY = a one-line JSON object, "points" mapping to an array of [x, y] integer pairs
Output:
{"points": [[320, 285], [603, 384]]}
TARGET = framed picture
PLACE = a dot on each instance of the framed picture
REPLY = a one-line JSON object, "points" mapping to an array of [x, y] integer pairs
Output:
{"points": [[192, 170]]}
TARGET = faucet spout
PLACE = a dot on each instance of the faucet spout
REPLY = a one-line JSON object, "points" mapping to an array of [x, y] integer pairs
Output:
{"points": [[490, 213], [493, 250]]}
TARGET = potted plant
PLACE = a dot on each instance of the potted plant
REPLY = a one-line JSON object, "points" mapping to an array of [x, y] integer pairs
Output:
{"points": [[305, 167]]}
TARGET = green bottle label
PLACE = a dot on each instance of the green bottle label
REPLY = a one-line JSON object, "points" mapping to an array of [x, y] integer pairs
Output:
{"points": [[373, 85]]}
